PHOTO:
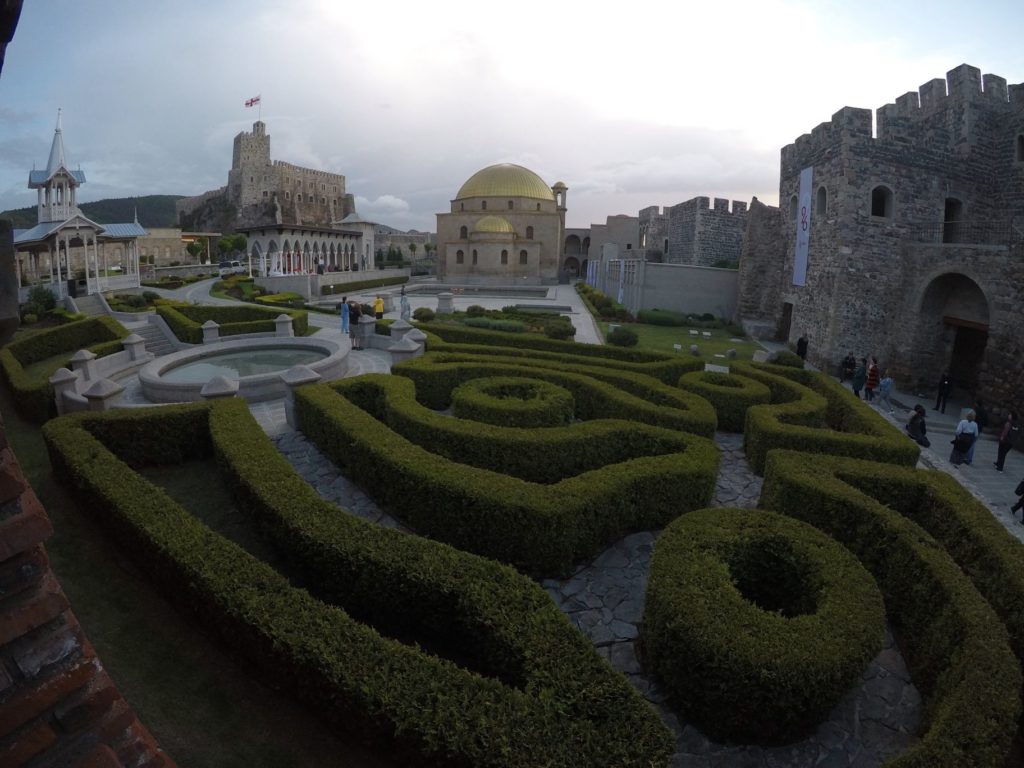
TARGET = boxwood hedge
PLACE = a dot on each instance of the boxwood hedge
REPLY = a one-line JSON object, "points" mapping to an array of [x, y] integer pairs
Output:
{"points": [[32, 394], [534, 693], [955, 645], [730, 394], [811, 412], [513, 401], [541, 529], [616, 394], [757, 624], [186, 321]]}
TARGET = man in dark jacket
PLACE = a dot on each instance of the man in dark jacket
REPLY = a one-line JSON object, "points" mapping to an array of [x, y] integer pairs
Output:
{"points": [[945, 387]]}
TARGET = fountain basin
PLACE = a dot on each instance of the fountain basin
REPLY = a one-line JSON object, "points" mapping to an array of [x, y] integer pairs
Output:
{"points": [[256, 364]]}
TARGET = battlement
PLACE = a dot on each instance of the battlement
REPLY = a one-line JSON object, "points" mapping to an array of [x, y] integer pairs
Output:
{"points": [[702, 203], [963, 87], [310, 172]]}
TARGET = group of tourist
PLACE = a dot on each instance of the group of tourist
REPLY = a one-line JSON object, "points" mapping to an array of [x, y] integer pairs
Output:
{"points": [[351, 311], [865, 375]]}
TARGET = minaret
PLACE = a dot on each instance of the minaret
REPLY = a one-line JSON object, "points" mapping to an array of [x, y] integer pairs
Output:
{"points": [[58, 187]]}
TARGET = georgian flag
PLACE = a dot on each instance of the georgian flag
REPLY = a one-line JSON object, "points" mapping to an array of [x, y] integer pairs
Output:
{"points": [[252, 102]]}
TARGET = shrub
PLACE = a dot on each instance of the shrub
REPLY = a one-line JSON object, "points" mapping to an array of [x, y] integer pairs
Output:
{"points": [[600, 301], [505, 326], [956, 648], [41, 296], [513, 402], [757, 624], [150, 296], [787, 358], [622, 337], [607, 311], [29, 318], [661, 317], [559, 329], [533, 691], [360, 285], [475, 310], [423, 314], [730, 394]]}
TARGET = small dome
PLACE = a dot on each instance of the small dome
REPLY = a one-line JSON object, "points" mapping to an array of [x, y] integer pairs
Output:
{"points": [[493, 224], [505, 180]]}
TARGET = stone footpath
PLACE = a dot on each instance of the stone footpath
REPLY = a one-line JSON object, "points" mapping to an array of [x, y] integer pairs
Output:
{"points": [[604, 599]]}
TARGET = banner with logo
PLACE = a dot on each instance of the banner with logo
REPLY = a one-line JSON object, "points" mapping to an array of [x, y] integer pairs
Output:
{"points": [[803, 226]]}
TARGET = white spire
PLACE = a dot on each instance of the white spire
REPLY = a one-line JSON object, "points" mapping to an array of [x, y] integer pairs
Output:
{"points": [[56, 150]]}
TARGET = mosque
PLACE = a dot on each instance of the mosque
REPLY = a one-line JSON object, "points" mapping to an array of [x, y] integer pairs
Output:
{"points": [[506, 225]]}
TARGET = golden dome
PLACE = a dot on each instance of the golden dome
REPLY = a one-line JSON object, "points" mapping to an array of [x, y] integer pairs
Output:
{"points": [[493, 224], [505, 180]]}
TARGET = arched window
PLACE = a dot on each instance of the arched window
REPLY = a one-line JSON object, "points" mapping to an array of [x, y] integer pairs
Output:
{"points": [[881, 201], [460, 257], [793, 207], [821, 203], [529, 233], [510, 205], [463, 233], [538, 206], [1020, 148], [952, 220], [504, 257], [462, 206], [483, 205], [474, 255], [522, 257]]}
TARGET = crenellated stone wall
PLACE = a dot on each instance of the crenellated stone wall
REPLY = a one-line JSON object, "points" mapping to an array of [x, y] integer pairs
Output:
{"points": [[706, 236]]}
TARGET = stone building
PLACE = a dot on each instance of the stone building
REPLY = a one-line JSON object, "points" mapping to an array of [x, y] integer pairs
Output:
{"points": [[705, 236], [262, 191], [911, 238], [506, 225], [653, 228]]}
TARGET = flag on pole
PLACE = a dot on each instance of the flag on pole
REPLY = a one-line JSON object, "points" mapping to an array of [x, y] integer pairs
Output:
{"points": [[252, 102]]}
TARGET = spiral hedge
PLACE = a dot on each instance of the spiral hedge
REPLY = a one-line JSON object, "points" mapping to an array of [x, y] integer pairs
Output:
{"points": [[530, 689], [936, 554], [447, 477], [513, 401], [757, 623], [729, 393]]}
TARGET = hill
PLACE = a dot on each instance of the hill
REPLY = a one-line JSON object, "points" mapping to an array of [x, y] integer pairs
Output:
{"points": [[154, 211]]}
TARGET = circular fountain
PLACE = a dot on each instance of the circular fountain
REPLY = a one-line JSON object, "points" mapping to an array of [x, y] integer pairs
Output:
{"points": [[256, 364]]}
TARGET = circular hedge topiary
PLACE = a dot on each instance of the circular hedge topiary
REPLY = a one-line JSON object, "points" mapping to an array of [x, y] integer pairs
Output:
{"points": [[730, 394], [756, 623], [512, 401]]}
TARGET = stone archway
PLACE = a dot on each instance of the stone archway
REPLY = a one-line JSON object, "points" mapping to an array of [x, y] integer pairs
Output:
{"points": [[950, 331], [572, 266]]}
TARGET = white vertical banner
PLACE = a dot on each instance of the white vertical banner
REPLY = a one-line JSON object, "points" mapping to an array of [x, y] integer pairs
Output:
{"points": [[622, 279], [803, 227]]}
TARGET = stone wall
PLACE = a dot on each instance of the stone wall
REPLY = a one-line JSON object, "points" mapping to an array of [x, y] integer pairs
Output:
{"points": [[654, 232], [702, 235], [58, 706]]}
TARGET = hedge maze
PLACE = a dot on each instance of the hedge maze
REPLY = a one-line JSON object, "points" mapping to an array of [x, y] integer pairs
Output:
{"points": [[517, 463]]}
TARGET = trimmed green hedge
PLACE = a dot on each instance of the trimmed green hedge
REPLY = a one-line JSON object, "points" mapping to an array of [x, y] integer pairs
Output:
{"points": [[667, 369], [533, 691], [730, 394], [186, 321], [535, 455], [541, 529], [811, 412], [359, 285], [757, 624], [33, 395], [597, 390], [513, 401], [957, 649]]}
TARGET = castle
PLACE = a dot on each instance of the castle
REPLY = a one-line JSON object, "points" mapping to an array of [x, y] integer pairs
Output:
{"points": [[262, 191], [905, 241]]}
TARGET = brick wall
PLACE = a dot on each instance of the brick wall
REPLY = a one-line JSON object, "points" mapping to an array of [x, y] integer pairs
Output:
{"points": [[57, 704]]}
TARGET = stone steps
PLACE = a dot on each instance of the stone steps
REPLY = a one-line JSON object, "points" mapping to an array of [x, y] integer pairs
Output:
{"points": [[155, 340], [90, 306]]}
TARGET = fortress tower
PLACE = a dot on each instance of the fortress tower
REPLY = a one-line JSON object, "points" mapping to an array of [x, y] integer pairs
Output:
{"points": [[915, 237]]}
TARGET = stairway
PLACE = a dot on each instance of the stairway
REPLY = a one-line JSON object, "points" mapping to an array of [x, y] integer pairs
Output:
{"points": [[155, 340], [91, 305]]}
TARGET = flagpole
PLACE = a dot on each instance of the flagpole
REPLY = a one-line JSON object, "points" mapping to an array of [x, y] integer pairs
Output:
{"points": [[261, 107]]}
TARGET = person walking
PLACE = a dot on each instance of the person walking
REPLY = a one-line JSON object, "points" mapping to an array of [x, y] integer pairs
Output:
{"points": [[849, 366], [343, 310], [355, 312], [1019, 491], [963, 440], [378, 308], [859, 376], [917, 428], [945, 387], [405, 311], [885, 392], [801, 346], [871, 383], [1009, 435]]}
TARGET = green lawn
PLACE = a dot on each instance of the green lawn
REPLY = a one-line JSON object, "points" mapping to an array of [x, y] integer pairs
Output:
{"points": [[661, 338], [200, 702]]}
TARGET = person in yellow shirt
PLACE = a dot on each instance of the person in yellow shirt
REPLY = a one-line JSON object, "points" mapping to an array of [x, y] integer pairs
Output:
{"points": [[378, 308]]}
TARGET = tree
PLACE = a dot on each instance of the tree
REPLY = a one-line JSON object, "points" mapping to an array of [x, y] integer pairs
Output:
{"points": [[412, 250], [196, 249]]}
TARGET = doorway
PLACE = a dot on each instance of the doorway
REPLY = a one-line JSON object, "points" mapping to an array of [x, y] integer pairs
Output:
{"points": [[967, 354], [785, 322]]}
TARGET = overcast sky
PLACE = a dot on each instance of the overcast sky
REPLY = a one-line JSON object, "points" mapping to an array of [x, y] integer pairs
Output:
{"points": [[629, 104]]}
